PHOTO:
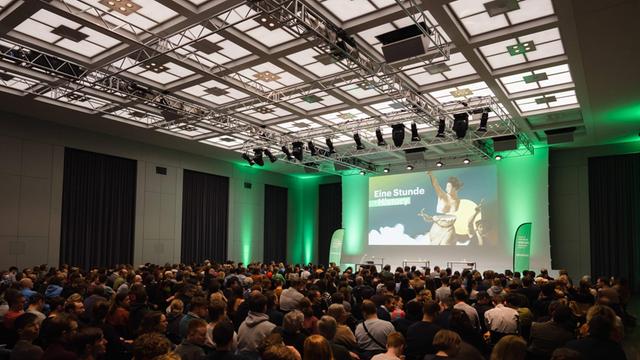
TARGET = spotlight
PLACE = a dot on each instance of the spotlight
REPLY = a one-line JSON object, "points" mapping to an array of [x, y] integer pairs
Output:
{"points": [[381, 141], [298, 150], [248, 159], [466, 161], [257, 157], [484, 118], [358, 140], [439, 164], [461, 124], [441, 128], [409, 167], [498, 157], [397, 134], [312, 148], [270, 155], [386, 170], [414, 132], [332, 150], [362, 172], [286, 151]]}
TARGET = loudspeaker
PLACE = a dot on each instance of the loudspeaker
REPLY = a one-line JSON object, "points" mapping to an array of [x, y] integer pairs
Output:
{"points": [[562, 135], [404, 43], [505, 143]]}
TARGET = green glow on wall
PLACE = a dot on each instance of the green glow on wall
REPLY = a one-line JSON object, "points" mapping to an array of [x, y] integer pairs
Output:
{"points": [[302, 242], [355, 213], [625, 113], [522, 184]]}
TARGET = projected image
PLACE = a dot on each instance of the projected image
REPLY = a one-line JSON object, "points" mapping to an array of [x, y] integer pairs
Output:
{"points": [[456, 207]]}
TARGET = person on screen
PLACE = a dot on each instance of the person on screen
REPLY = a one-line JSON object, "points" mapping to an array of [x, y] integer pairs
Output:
{"points": [[477, 229], [448, 200], [442, 231]]}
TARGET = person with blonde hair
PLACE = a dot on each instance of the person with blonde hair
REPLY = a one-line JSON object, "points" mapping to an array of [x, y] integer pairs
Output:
{"points": [[395, 347], [510, 347], [316, 347]]}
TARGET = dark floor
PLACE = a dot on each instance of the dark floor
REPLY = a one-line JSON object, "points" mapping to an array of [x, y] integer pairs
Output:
{"points": [[632, 335]]}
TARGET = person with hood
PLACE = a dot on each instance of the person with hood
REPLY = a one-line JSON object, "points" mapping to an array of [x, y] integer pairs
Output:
{"points": [[54, 289], [496, 288], [256, 326]]}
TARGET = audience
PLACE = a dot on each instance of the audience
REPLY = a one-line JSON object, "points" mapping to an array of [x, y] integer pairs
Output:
{"points": [[291, 312]]}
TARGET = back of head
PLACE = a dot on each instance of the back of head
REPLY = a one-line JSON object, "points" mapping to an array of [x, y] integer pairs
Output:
{"points": [[23, 321], [460, 295], [368, 308], [395, 340], [223, 333], [293, 321], [510, 347], [216, 310], [85, 337], [431, 308], [447, 341], [337, 311], [327, 327], [565, 354], [58, 327], [600, 327], [317, 347], [414, 310], [257, 302], [149, 346], [562, 314]]}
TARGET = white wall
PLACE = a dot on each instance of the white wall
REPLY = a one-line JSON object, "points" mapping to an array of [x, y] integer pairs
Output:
{"points": [[31, 172]]}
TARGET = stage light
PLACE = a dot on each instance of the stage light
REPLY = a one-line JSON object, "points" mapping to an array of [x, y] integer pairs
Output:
{"points": [[414, 132], [397, 134], [409, 167], [441, 127], [381, 141], [461, 124], [358, 140], [386, 170], [270, 155], [248, 159], [498, 157], [257, 157], [286, 151], [466, 161], [484, 118], [298, 150], [439, 164], [332, 150], [312, 148], [362, 172]]}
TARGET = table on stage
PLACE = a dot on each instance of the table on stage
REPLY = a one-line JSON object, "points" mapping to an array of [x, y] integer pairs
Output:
{"points": [[377, 262], [465, 264], [422, 262]]}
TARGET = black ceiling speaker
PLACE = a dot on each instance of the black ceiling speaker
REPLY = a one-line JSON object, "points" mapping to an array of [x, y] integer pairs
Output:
{"points": [[397, 134], [461, 124], [297, 150]]}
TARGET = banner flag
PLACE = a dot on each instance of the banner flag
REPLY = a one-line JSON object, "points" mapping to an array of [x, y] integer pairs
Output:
{"points": [[522, 247], [335, 249]]}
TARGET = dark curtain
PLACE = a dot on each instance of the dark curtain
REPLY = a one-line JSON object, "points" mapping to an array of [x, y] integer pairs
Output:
{"points": [[329, 217], [614, 214], [98, 209], [275, 223], [205, 217]]}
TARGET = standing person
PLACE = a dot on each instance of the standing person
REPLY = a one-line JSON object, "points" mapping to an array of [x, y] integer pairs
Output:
{"points": [[598, 343], [501, 320], [60, 331], [344, 335], [28, 329], [547, 336], [395, 348], [199, 310], [420, 335], [371, 334], [256, 326], [461, 297], [327, 327], [222, 336], [291, 296], [444, 291]]}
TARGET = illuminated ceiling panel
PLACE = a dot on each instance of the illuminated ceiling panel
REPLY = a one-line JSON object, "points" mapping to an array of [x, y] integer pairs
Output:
{"points": [[537, 79], [540, 45], [478, 16]]}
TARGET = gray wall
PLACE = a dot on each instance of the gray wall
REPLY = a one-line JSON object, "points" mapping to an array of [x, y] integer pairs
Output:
{"points": [[569, 204], [31, 171]]}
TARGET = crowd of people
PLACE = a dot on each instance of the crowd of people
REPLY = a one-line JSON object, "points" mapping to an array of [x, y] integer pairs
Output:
{"points": [[290, 312]]}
